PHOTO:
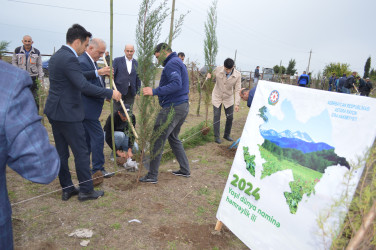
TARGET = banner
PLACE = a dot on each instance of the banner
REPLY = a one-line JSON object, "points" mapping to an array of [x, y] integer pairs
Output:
{"points": [[294, 172]]}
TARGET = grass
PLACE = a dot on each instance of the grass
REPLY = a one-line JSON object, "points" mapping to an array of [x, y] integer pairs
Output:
{"points": [[203, 191], [190, 138], [116, 226]]}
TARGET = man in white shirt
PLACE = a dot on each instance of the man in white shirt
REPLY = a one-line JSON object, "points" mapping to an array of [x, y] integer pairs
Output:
{"points": [[126, 77]]}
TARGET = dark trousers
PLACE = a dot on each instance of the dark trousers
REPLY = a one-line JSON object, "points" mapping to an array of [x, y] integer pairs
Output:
{"points": [[95, 143], [172, 134], [217, 118], [127, 99], [34, 91], [6, 235], [72, 134]]}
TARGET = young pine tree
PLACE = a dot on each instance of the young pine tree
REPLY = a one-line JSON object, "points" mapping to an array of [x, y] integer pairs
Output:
{"points": [[210, 51]]}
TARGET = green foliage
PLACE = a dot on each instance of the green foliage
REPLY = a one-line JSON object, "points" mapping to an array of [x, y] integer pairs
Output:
{"points": [[338, 68], [148, 32], [191, 138], [3, 47], [304, 182], [361, 205], [263, 110], [291, 67], [276, 69], [367, 67], [210, 52], [318, 160], [250, 161]]}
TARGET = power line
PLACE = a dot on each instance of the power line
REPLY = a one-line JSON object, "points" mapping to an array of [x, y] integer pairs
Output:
{"points": [[69, 8]]}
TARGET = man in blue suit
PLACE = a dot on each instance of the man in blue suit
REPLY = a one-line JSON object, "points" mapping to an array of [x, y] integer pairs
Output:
{"points": [[126, 77], [93, 105], [24, 143], [65, 112]]}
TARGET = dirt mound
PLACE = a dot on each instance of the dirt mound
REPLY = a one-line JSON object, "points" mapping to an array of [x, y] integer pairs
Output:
{"points": [[197, 236]]}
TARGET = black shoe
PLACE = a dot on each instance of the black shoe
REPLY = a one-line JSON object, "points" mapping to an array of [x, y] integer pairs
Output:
{"points": [[228, 138], [67, 194], [217, 140], [148, 179], [180, 173], [93, 195], [107, 174]]}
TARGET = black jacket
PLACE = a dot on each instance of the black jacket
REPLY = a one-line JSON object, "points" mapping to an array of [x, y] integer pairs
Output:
{"points": [[120, 126]]}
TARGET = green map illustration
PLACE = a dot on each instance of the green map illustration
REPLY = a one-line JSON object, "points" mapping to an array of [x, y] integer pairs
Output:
{"points": [[307, 167]]}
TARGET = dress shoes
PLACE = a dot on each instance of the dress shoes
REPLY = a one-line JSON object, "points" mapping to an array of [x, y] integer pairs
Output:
{"points": [[217, 140], [93, 195], [107, 174], [67, 194], [228, 138]]}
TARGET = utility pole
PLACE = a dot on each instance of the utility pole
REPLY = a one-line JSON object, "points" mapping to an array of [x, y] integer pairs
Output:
{"points": [[235, 56], [309, 61], [172, 23]]}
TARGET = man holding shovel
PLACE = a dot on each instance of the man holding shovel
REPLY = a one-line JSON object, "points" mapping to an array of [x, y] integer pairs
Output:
{"points": [[65, 112]]}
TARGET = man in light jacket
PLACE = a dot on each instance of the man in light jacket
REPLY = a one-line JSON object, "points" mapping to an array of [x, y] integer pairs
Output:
{"points": [[228, 84]]}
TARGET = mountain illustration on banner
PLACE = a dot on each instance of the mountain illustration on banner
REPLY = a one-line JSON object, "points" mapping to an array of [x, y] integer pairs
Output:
{"points": [[294, 150], [296, 140]]}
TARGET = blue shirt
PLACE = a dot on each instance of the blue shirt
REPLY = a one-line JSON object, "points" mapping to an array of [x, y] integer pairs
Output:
{"points": [[24, 143], [27, 53], [75, 53], [250, 96]]}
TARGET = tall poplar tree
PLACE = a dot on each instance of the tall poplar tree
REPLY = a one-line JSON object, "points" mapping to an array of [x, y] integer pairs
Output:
{"points": [[367, 67], [210, 52]]}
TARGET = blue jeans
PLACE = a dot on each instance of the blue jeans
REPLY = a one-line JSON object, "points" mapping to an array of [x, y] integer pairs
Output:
{"points": [[122, 141], [345, 90]]}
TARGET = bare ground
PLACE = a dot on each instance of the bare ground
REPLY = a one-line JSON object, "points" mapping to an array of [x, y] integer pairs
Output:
{"points": [[176, 213]]}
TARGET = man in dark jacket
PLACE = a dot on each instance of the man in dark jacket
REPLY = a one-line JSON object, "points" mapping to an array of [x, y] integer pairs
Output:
{"points": [[256, 75], [93, 105], [365, 87], [341, 83], [65, 112], [124, 138], [172, 94], [332, 80], [350, 83], [126, 77]]}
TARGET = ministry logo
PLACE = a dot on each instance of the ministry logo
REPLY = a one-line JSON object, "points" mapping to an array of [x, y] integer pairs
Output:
{"points": [[273, 97]]}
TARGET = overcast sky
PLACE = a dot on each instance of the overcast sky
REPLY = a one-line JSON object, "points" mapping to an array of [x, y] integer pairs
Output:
{"points": [[263, 32]]}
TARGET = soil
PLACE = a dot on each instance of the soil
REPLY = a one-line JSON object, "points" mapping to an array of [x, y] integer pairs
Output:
{"points": [[175, 213]]}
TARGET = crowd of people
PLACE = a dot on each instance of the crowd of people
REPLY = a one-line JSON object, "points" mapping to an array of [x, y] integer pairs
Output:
{"points": [[77, 92]]}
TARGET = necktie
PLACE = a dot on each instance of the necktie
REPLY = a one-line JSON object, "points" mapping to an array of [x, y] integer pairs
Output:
{"points": [[100, 78]]}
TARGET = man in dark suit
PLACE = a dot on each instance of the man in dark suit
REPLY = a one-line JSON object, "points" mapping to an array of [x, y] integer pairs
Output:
{"points": [[65, 112], [126, 77], [93, 105]]}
